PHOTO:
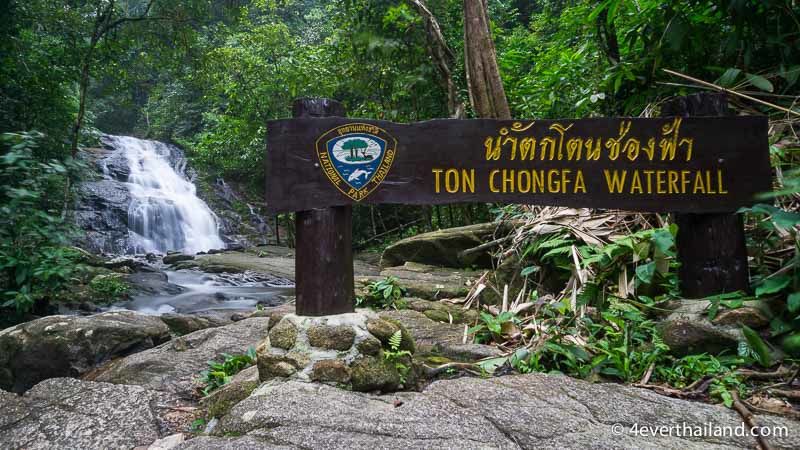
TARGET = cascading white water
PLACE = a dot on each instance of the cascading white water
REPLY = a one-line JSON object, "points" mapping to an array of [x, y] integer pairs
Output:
{"points": [[165, 213]]}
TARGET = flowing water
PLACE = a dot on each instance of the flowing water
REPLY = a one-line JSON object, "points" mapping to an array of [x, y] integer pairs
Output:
{"points": [[204, 292], [165, 213]]}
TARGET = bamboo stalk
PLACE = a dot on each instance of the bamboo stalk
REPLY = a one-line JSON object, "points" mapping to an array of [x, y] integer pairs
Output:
{"points": [[729, 91]]}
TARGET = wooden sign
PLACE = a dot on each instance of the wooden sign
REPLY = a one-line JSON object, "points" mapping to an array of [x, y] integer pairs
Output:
{"points": [[671, 164]]}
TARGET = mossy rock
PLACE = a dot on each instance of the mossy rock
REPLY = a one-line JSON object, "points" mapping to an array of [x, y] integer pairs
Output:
{"points": [[407, 342], [283, 335], [382, 329], [373, 373], [369, 346], [338, 337], [332, 370], [220, 402]]}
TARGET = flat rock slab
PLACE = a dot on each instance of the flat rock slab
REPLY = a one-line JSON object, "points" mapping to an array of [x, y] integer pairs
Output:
{"points": [[427, 282], [72, 414], [69, 346], [277, 261], [174, 366], [522, 411], [441, 338]]}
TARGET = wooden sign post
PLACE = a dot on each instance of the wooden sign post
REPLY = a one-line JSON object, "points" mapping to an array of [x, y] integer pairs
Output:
{"points": [[711, 247], [320, 165], [324, 249]]}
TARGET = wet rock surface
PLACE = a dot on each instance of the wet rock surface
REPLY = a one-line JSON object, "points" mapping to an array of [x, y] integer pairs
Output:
{"points": [[69, 346]]}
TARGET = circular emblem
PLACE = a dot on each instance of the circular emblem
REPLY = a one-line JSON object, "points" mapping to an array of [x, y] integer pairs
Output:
{"points": [[356, 157]]}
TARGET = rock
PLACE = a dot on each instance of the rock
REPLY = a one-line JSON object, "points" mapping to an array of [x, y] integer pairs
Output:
{"points": [[220, 401], [332, 370], [69, 346], [338, 337], [337, 349], [101, 211], [283, 335], [750, 316], [521, 411], [172, 258], [687, 330], [440, 338], [152, 283], [73, 414], [372, 373], [174, 366], [167, 443], [428, 282], [382, 329], [369, 346], [182, 324], [445, 247]]}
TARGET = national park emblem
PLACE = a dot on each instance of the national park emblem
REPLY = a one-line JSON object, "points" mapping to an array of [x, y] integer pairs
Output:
{"points": [[356, 157]]}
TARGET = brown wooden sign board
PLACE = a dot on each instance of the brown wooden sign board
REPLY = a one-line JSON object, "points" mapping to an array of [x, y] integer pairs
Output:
{"points": [[671, 164]]}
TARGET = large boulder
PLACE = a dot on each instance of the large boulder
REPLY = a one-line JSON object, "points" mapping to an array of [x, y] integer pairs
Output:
{"points": [[446, 247], [175, 366], [69, 346], [688, 330], [72, 414], [522, 411]]}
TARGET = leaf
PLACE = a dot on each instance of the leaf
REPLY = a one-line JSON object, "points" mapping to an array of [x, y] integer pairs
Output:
{"points": [[793, 302], [773, 285], [645, 272], [759, 82], [528, 270], [727, 78], [761, 349], [664, 241]]}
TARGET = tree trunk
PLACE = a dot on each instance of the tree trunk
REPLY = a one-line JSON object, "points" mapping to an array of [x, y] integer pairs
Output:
{"points": [[486, 93], [442, 57]]}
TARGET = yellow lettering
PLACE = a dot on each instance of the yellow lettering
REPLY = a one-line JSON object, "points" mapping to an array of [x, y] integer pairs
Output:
{"points": [[615, 180], [492, 187], [579, 183], [436, 173], [719, 182], [672, 177], [636, 183]]}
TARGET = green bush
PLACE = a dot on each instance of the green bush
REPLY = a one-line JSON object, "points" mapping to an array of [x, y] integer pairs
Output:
{"points": [[35, 260], [109, 287], [385, 293]]}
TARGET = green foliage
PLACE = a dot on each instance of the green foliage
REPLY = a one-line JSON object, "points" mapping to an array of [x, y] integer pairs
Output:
{"points": [[35, 261], [399, 358], [219, 374], [385, 293], [493, 328], [109, 288]]}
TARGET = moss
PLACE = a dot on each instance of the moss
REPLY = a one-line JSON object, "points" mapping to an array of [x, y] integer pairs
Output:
{"points": [[220, 402], [408, 340], [374, 373], [283, 335], [340, 337]]}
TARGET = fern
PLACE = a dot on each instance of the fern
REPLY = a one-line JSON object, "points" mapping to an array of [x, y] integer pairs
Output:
{"points": [[395, 340]]}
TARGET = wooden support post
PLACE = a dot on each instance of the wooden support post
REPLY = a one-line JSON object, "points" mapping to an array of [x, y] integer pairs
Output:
{"points": [[324, 242], [711, 247]]}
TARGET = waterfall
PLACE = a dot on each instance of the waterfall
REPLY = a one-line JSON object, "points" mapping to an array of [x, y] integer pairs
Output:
{"points": [[164, 213]]}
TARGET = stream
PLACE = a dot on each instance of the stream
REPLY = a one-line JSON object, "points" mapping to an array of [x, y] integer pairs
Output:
{"points": [[192, 292]]}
